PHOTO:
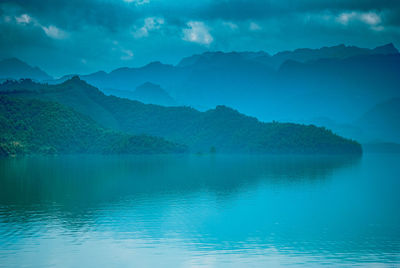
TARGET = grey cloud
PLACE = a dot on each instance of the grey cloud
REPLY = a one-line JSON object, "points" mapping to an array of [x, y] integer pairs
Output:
{"points": [[100, 34]]}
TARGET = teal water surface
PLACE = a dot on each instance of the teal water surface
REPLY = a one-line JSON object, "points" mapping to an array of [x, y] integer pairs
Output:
{"points": [[200, 211]]}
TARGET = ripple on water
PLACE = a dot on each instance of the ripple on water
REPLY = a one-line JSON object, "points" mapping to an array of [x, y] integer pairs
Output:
{"points": [[220, 211]]}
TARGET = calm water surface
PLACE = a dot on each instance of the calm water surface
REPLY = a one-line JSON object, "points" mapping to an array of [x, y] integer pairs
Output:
{"points": [[207, 211]]}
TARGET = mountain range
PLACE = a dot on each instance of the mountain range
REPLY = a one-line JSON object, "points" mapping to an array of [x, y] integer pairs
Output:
{"points": [[222, 129], [301, 84], [299, 55], [339, 84]]}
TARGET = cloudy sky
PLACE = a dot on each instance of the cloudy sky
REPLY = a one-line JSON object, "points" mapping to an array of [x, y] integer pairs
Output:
{"points": [[82, 36]]}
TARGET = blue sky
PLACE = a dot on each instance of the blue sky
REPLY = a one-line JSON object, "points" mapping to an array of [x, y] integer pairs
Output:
{"points": [[78, 36]]}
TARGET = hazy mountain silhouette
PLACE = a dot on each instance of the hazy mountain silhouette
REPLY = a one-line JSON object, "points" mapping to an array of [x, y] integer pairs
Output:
{"points": [[378, 127], [334, 52], [309, 80], [299, 55], [150, 93], [340, 89], [221, 128], [382, 121], [340, 82], [14, 68]]}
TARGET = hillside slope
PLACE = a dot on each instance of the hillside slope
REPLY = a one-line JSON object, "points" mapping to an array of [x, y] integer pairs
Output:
{"points": [[221, 128], [16, 69], [34, 127]]}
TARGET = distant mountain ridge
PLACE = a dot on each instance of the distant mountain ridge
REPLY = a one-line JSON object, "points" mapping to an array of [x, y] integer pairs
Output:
{"points": [[222, 128], [382, 120], [301, 55], [340, 82], [334, 52], [378, 127], [330, 78], [147, 93], [150, 93], [14, 68]]}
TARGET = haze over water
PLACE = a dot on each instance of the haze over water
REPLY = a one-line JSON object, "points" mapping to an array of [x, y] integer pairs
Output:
{"points": [[209, 210]]}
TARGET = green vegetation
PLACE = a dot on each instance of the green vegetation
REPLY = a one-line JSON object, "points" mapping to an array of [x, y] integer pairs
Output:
{"points": [[223, 128], [37, 127]]}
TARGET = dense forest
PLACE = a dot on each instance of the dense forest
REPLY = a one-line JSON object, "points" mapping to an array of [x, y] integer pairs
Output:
{"points": [[38, 127], [221, 129]]}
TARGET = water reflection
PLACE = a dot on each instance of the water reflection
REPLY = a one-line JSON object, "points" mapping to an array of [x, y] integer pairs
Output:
{"points": [[93, 179], [304, 210]]}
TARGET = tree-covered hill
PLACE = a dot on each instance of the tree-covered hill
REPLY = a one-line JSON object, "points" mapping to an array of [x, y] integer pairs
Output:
{"points": [[35, 127], [222, 129]]}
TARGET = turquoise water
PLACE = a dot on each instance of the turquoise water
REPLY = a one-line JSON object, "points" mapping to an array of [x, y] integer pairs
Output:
{"points": [[200, 211]]}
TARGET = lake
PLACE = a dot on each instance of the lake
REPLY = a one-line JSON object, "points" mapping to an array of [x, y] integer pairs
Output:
{"points": [[200, 211]]}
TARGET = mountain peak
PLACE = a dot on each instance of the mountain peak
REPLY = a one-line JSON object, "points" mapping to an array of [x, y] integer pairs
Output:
{"points": [[101, 72], [14, 60], [154, 94], [224, 109], [149, 87], [148, 84], [76, 81], [386, 49], [155, 64]]}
